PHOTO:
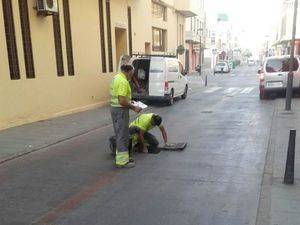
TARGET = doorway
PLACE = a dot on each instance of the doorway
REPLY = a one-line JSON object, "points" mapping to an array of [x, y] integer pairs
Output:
{"points": [[121, 44], [147, 48]]}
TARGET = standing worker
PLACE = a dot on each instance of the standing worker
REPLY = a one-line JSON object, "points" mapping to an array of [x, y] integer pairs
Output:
{"points": [[120, 92], [143, 140]]}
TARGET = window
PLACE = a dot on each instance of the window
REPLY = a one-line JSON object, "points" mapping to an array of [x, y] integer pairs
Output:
{"points": [[159, 11], [58, 45], [109, 41], [68, 36], [173, 67], [11, 40], [158, 39], [129, 30], [280, 65], [221, 64], [26, 37], [102, 37], [181, 34]]}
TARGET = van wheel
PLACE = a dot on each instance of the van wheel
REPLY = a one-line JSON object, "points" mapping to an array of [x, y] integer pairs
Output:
{"points": [[185, 92], [171, 98]]}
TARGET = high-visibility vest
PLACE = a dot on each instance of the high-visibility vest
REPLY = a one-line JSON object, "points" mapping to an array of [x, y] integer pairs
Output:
{"points": [[144, 122], [119, 87]]}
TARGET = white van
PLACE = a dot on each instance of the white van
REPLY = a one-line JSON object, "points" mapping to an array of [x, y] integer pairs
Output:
{"points": [[160, 78]]}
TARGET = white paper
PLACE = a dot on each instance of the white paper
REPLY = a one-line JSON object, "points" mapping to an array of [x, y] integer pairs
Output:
{"points": [[139, 104]]}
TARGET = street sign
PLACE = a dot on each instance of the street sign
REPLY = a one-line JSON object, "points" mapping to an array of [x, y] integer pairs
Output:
{"points": [[214, 51]]}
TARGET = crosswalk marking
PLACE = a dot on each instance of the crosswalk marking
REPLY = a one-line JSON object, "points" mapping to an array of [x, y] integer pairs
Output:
{"points": [[212, 89], [234, 92], [230, 90], [247, 90]]}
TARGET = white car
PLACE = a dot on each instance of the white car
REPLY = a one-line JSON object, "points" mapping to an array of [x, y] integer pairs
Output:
{"points": [[274, 74], [222, 67], [160, 78], [251, 62]]}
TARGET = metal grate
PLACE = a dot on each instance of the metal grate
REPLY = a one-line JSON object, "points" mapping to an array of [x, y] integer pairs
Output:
{"points": [[26, 35], [108, 21], [58, 45], [68, 34], [11, 40], [130, 30]]}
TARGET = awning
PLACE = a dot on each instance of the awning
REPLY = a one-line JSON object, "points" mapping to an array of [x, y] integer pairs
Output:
{"points": [[186, 13]]}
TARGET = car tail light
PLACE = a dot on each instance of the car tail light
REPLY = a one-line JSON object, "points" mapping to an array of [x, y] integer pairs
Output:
{"points": [[166, 85]]}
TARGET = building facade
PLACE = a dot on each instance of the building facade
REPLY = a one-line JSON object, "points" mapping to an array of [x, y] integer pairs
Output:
{"points": [[285, 28], [63, 63], [195, 35]]}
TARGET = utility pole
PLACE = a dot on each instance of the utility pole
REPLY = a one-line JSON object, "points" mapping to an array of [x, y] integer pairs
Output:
{"points": [[289, 89], [200, 52], [267, 49]]}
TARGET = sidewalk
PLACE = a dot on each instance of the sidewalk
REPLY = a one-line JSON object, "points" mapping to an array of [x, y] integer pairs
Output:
{"points": [[280, 203], [31, 137]]}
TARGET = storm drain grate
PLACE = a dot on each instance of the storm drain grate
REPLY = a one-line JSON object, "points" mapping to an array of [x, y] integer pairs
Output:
{"points": [[206, 111]]}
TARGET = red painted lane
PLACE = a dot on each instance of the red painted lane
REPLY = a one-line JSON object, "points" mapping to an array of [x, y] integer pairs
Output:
{"points": [[76, 200]]}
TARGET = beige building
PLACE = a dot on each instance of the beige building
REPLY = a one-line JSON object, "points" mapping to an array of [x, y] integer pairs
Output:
{"points": [[63, 63]]}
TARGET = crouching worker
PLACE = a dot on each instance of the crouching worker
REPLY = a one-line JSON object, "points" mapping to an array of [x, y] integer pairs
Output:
{"points": [[142, 140]]}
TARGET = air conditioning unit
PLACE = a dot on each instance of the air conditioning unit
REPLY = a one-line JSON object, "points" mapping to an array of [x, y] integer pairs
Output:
{"points": [[47, 7]]}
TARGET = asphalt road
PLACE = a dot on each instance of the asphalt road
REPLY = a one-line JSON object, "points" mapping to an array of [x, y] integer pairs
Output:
{"points": [[216, 180]]}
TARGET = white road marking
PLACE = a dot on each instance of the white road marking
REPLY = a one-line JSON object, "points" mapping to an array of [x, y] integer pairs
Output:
{"points": [[212, 89], [229, 90], [235, 92], [247, 90]]}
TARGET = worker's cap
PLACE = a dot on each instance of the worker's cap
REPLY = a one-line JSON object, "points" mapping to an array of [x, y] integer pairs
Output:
{"points": [[126, 68], [156, 120]]}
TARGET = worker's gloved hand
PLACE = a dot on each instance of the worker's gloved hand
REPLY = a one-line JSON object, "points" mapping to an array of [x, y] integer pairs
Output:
{"points": [[145, 149]]}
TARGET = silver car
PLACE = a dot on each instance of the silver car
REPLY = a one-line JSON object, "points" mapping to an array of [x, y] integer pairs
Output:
{"points": [[274, 73], [222, 67]]}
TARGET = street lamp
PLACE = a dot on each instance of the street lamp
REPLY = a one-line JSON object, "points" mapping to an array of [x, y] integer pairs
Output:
{"points": [[289, 89]]}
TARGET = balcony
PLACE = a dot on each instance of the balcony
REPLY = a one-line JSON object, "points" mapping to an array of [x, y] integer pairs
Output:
{"points": [[185, 8], [193, 37]]}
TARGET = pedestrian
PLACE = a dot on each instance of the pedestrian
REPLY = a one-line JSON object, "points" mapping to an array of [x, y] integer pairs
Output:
{"points": [[142, 140], [120, 92]]}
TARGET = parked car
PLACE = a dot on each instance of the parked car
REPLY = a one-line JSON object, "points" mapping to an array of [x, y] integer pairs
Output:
{"points": [[160, 78], [222, 67], [251, 62], [274, 73], [198, 68]]}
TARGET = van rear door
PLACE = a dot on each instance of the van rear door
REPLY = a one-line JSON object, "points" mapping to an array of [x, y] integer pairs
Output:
{"points": [[277, 70], [157, 77]]}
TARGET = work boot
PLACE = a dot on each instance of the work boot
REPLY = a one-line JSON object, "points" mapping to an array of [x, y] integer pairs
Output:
{"points": [[127, 165], [131, 159]]}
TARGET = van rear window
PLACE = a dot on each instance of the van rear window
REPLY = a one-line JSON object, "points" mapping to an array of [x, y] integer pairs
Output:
{"points": [[156, 66], [280, 65]]}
